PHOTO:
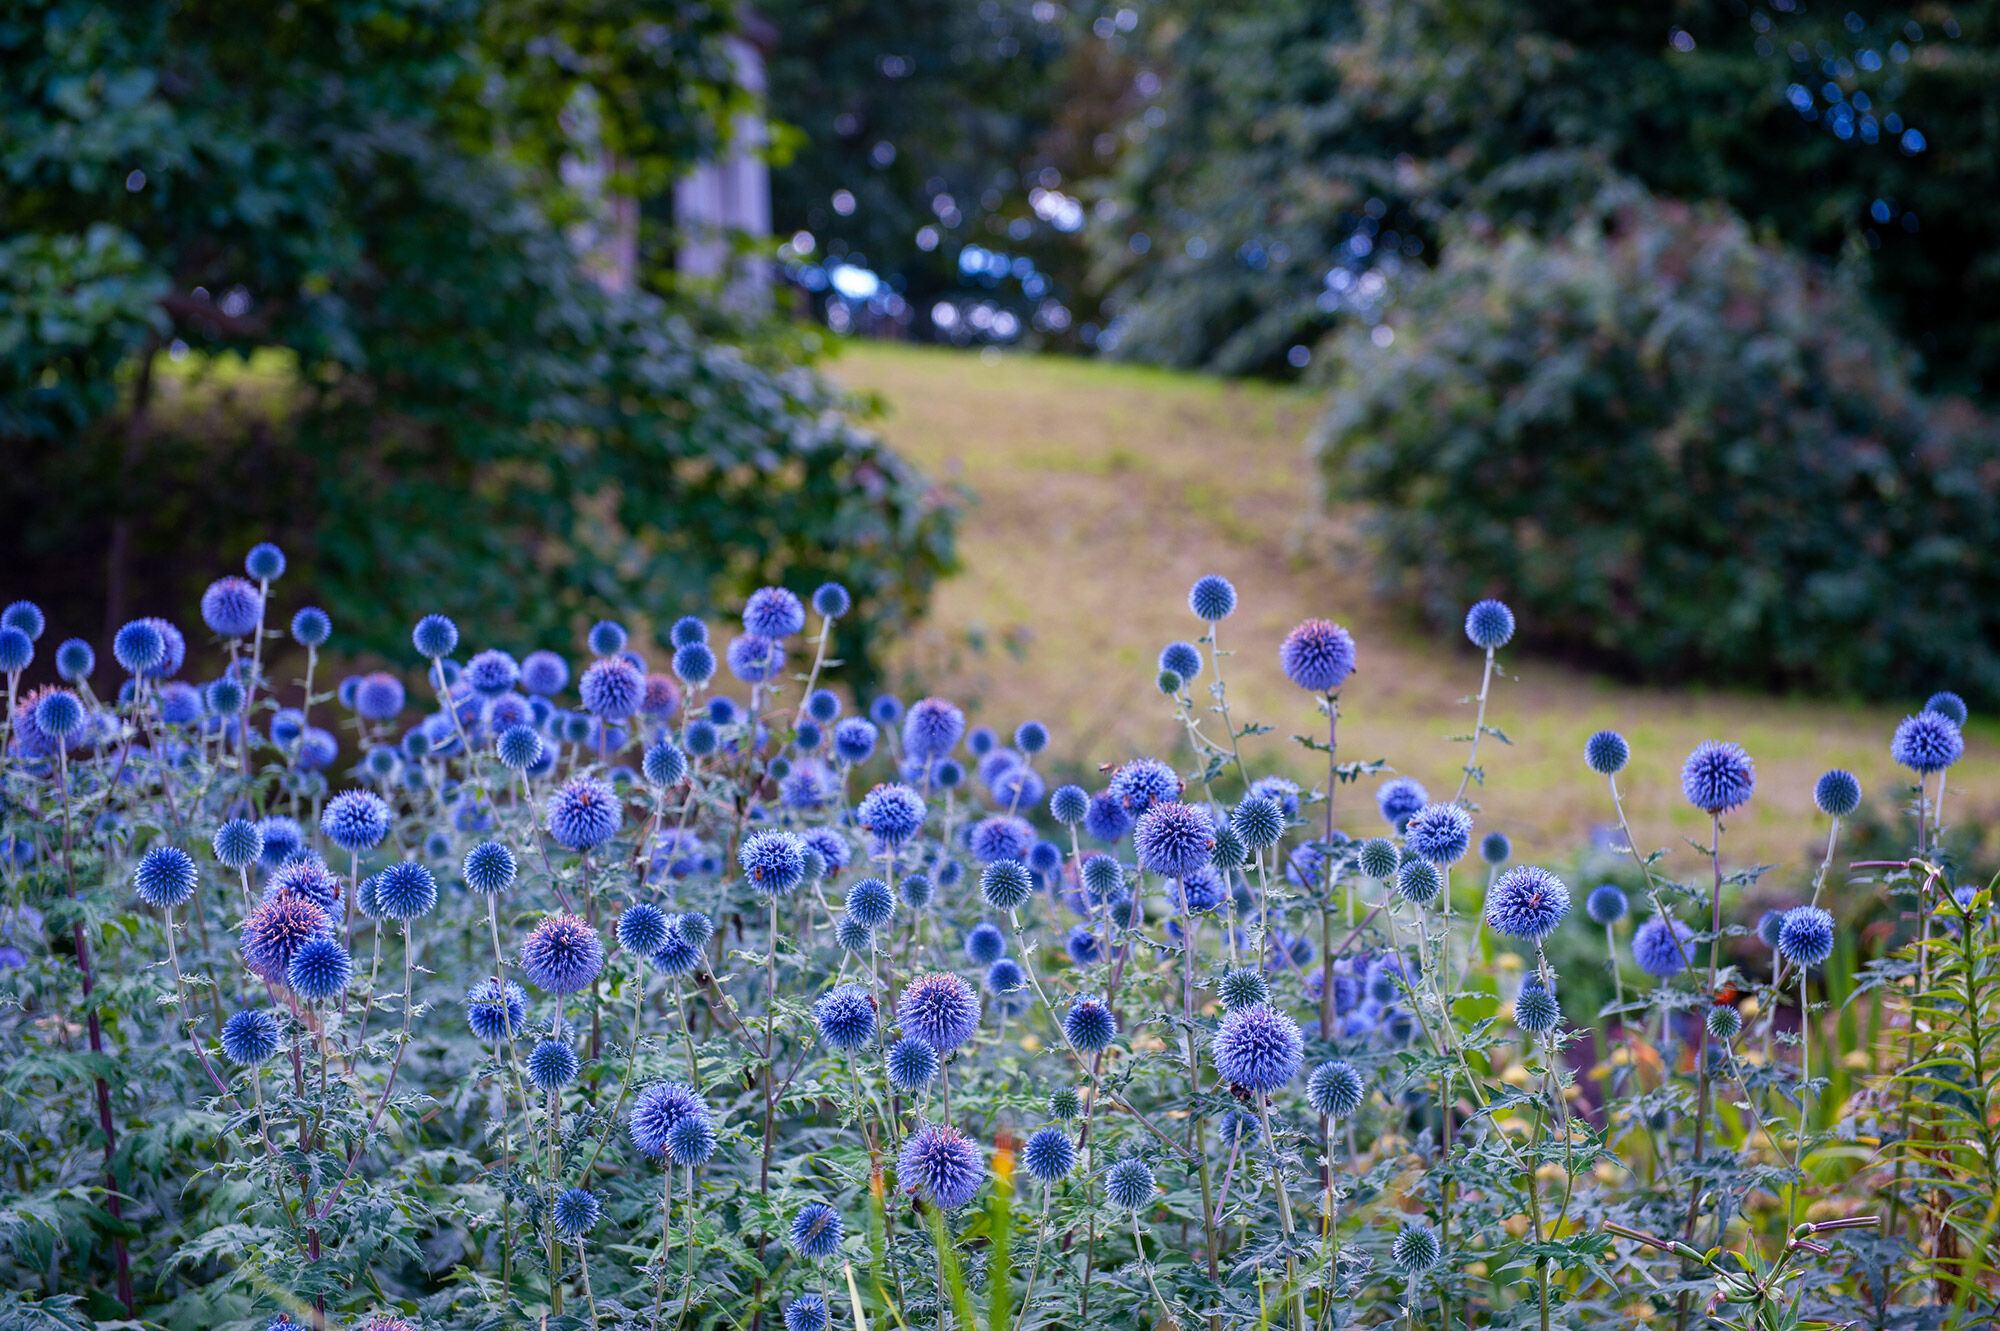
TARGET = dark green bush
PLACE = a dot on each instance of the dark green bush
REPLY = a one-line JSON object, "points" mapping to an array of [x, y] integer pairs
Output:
{"points": [[1695, 455]]}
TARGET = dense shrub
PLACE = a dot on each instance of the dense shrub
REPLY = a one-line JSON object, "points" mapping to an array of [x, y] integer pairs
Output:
{"points": [[1697, 455]]}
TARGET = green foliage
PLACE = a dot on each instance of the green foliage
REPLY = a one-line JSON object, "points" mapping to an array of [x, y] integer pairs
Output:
{"points": [[1694, 454], [446, 409]]}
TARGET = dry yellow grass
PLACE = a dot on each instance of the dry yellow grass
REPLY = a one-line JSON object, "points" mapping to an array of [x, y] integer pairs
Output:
{"points": [[1104, 491]]}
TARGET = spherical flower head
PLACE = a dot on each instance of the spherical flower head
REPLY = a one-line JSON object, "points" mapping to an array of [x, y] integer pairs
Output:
{"points": [[1663, 947], [58, 714], [642, 927], [1379, 857], [1724, 1021], [1065, 1104], [406, 891], [775, 862], [1946, 703], [250, 1038], [75, 660], [518, 747], [311, 627], [562, 955], [1049, 1155], [1536, 1010], [1090, 1024], [1200, 892], [1606, 904], [754, 659], [1418, 881], [552, 1064], [984, 943], [1129, 1183], [281, 837], [1001, 837], [1180, 659], [25, 617], [1068, 805], [575, 1213], [1229, 852], [493, 1011], [1105, 819], [489, 868], [816, 1231], [1927, 742], [238, 843], [612, 688], [701, 738], [1769, 924], [694, 663], [1243, 987], [378, 696], [1102, 877], [939, 1008], [871, 902], [1527, 902], [1212, 598], [1258, 820], [830, 600], [932, 728], [1005, 884], [910, 1063], [656, 1110], [1718, 776], [1489, 624], [941, 1165], [808, 1312], [1258, 1047], [678, 952], [165, 878], [1399, 798], [664, 764], [355, 820], [224, 697], [320, 970], [492, 672], [584, 813], [845, 1017], [1335, 1089], [690, 1141], [1495, 848], [1439, 833], [1606, 753], [139, 648], [275, 929], [1837, 793], [17, 650], [1806, 937], [1142, 783], [232, 607], [1416, 1247], [1318, 655], [606, 637], [773, 612], [1174, 839], [892, 813], [434, 637]]}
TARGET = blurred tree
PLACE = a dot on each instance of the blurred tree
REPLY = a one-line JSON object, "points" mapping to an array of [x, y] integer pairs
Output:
{"points": [[389, 209]]}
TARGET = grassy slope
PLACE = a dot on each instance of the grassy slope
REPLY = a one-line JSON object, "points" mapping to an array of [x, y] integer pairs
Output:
{"points": [[1103, 491]]}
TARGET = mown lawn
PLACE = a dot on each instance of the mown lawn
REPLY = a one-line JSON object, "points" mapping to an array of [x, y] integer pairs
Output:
{"points": [[1103, 491]]}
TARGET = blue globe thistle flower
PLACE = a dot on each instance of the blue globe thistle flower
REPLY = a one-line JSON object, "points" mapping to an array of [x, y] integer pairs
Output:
{"points": [[26, 617], [562, 955], [434, 637], [58, 715], [1606, 904], [1718, 777], [1258, 1047], [612, 688], [1724, 1022], [180, 704], [845, 1017], [1418, 881], [940, 1164], [1082, 946], [753, 659], [378, 696], [1837, 793], [1335, 1089], [544, 673], [1001, 839], [657, 1109], [1049, 1155], [1005, 976], [1317, 655], [1927, 742], [1005, 884], [1536, 1010], [1243, 987], [886, 710], [775, 862], [816, 1231], [1495, 848], [1527, 902], [75, 660], [1769, 925], [1102, 875], [552, 1065], [1489, 624], [773, 612], [1182, 660], [1069, 805], [173, 646], [575, 1213], [984, 943], [165, 878], [274, 930], [1065, 1104], [17, 650], [1212, 598], [238, 843], [1142, 783], [892, 814], [606, 638], [823, 706], [1439, 833], [406, 891], [250, 1038], [1946, 703], [1045, 858], [1090, 1024], [808, 1312], [584, 813], [265, 562], [981, 740], [281, 837], [1031, 737], [1606, 753], [1806, 937], [1663, 947], [139, 648], [492, 672], [664, 764], [305, 875], [224, 697], [489, 868], [642, 927], [232, 607], [1105, 819], [830, 600], [494, 1011], [910, 1064], [320, 970], [518, 748], [1174, 839], [694, 663], [355, 820], [1399, 798], [871, 902], [1019, 787], [1416, 1248], [700, 738], [1259, 821], [690, 1142], [1379, 857], [311, 627], [1129, 1183], [940, 1009]]}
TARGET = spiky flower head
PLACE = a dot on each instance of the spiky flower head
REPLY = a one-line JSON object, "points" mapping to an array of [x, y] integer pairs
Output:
{"points": [[1174, 839], [276, 929], [552, 1064], [1049, 1155], [910, 1063], [642, 927], [584, 813], [320, 970], [754, 659], [1663, 947], [775, 862], [17, 650], [1439, 833], [1244, 987], [250, 1038], [1495, 848], [494, 1011], [378, 696], [139, 647], [166, 877], [1379, 857], [1947, 703], [678, 953], [1724, 1021], [518, 747], [1065, 1103], [24, 617], [1317, 655], [664, 764], [1927, 742], [489, 868], [939, 1008], [1527, 902], [1335, 1089], [75, 660], [355, 820], [1418, 881], [492, 672], [773, 612], [575, 1213], [1212, 598], [1606, 753], [232, 607], [1105, 819], [1142, 783], [1489, 624], [655, 1111], [1090, 1024], [831, 600], [845, 1017], [891, 813], [1129, 1183], [1416, 1247], [1718, 776], [434, 637], [612, 688], [1606, 904], [1005, 884], [1001, 837], [607, 637], [1837, 793], [1258, 1047], [1399, 798], [694, 663], [816, 1231], [1536, 1010], [311, 627], [1259, 820], [984, 943], [690, 1141], [406, 891], [808, 1312], [1806, 937], [1102, 876], [1068, 805], [1031, 737], [940, 1164], [932, 728], [562, 955]]}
